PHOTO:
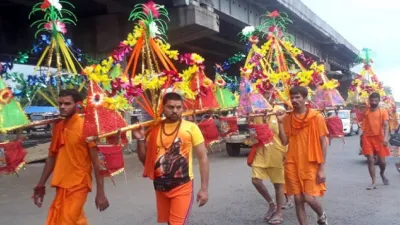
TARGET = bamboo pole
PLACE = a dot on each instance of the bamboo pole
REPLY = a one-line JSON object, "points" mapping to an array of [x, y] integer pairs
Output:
{"points": [[138, 125]]}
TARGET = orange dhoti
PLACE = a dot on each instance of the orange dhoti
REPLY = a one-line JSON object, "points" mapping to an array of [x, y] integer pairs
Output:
{"points": [[67, 206], [374, 145], [305, 154], [301, 181]]}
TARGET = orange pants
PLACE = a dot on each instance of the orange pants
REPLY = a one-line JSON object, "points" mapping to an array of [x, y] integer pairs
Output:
{"points": [[374, 145], [303, 182], [67, 206], [174, 206]]}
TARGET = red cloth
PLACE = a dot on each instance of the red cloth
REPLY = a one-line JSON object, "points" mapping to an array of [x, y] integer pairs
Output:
{"points": [[232, 122], [209, 130], [111, 159], [98, 118], [335, 127], [264, 137], [264, 134], [12, 156]]}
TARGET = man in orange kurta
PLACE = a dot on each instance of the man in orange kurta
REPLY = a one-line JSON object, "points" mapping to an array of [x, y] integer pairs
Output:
{"points": [[375, 138], [70, 160], [305, 132]]}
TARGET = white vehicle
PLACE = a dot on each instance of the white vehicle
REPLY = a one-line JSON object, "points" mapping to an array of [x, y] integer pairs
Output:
{"points": [[349, 125]]}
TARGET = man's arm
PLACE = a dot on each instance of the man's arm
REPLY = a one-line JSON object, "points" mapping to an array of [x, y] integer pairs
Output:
{"points": [[201, 153], [39, 190], [324, 147], [282, 134], [47, 170], [386, 132], [101, 200], [141, 150]]}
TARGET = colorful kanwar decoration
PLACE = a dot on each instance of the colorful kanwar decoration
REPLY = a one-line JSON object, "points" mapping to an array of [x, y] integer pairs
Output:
{"points": [[12, 116]]}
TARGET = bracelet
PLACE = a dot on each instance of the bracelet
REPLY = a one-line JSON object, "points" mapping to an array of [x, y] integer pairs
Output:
{"points": [[141, 139]]}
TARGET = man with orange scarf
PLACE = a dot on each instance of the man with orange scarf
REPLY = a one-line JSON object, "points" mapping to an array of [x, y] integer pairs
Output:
{"points": [[305, 132], [70, 160], [167, 160], [375, 138]]}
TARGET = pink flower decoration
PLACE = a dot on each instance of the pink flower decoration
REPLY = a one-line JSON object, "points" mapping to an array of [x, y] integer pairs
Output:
{"points": [[60, 26], [46, 4], [151, 7]]}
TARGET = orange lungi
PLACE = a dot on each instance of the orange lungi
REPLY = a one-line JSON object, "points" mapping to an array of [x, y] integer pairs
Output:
{"points": [[67, 206], [374, 145]]}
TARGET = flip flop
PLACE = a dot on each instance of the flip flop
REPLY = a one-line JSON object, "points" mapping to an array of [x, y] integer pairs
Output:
{"points": [[372, 187], [268, 216], [276, 221], [398, 167], [288, 205]]}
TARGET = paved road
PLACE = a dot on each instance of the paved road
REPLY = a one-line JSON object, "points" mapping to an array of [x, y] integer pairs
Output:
{"points": [[233, 199]]}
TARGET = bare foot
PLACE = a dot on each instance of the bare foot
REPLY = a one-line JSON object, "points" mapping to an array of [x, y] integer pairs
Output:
{"points": [[385, 180], [270, 212]]}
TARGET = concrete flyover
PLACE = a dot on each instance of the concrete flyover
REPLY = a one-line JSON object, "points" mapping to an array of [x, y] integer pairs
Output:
{"points": [[209, 27]]}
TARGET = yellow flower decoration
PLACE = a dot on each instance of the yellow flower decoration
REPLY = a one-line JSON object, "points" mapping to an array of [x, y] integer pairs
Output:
{"points": [[305, 77], [265, 47], [207, 82], [319, 68], [289, 46], [172, 54], [274, 78], [197, 58], [285, 76], [134, 36], [188, 73], [332, 84], [96, 75]]}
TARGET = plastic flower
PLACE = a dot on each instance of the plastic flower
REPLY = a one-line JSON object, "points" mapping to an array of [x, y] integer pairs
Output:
{"points": [[274, 78], [97, 99], [305, 77], [45, 5], [5, 96], [207, 82], [197, 58], [332, 84], [56, 4], [249, 30], [153, 29], [60, 26], [150, 8], [220, 82], [274, 14], [253, 39]]}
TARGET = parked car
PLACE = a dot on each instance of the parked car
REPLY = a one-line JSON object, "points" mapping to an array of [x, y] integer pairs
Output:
{"points": [[38, 117]]}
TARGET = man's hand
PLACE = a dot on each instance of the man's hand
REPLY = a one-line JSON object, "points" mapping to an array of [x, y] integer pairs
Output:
{"points": [[101, 202], [321, 178], [386, 142], [38, 195], [139, 133], [202, 197], [280, 114]]}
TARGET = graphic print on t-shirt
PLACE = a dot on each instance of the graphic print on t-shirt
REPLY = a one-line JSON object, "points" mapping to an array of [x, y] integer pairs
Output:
{"points": [[173, 165]]}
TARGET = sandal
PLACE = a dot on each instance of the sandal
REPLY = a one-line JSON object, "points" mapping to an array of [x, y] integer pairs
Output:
{"points": [[268, 216], [323, 220], [288, 205], [276, 221], [371, 187], [398, 167]]}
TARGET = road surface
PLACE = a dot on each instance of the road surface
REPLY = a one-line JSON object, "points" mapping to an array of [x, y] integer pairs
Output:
{"points": [[232, 201]]}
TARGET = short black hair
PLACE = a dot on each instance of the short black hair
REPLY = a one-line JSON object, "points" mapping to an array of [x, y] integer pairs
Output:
{"points": [[172, 96], [303, 91], [374, 95], [71, 92]]}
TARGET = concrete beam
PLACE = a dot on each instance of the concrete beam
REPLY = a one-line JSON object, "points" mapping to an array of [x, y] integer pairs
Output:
{"points": [[227, 42], [190, 23], [201, 51]]}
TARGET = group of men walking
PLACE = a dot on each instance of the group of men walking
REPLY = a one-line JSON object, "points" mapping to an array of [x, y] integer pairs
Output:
{"points": [[294, 161]]}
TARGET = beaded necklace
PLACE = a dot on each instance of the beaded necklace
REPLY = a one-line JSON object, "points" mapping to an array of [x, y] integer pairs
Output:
{"points": [[176, 132]]}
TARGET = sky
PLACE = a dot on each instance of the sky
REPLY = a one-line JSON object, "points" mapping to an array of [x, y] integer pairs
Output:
{"points": [[368, 24]]}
